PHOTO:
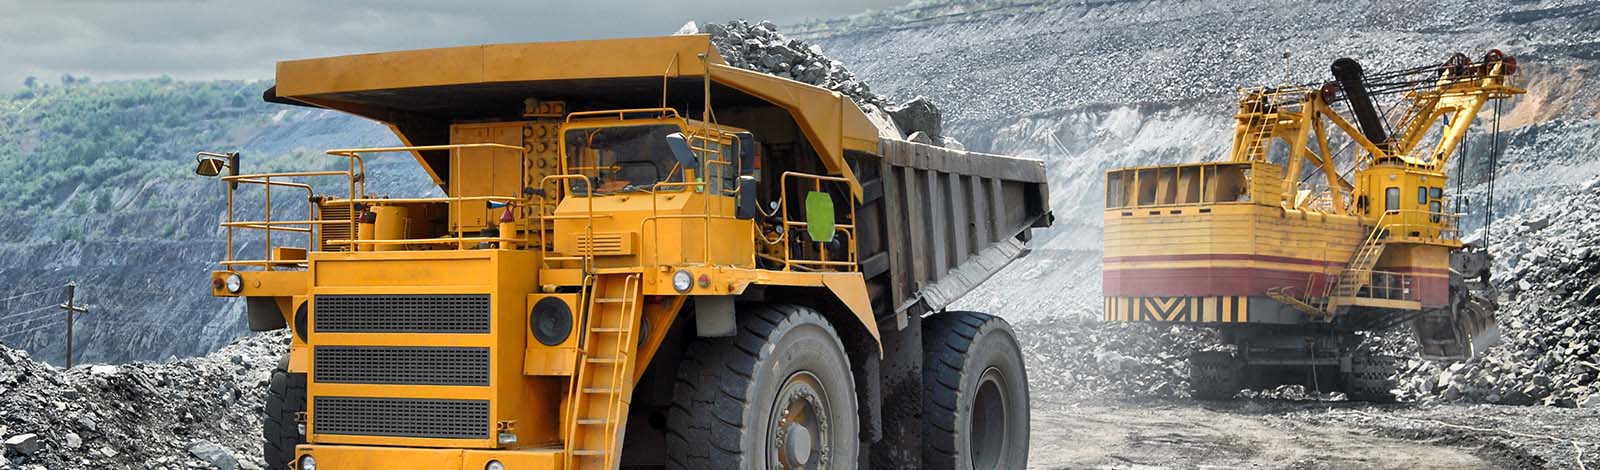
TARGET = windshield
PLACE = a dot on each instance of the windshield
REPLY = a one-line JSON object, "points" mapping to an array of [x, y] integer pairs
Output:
{"points": [[621, 159]]}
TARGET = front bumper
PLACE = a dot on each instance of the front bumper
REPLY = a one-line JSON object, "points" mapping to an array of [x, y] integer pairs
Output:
{"points": [[330, 457]]}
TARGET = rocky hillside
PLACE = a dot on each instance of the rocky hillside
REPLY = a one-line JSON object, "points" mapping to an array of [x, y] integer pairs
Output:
{"points": [[100, 191]]}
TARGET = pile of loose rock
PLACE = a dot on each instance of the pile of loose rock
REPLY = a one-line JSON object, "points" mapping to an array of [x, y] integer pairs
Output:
{"points": [[1548, 272], [1082, 356], [201, 412], [760, 47]]}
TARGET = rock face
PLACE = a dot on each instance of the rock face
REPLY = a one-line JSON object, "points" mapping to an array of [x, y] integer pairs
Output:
{"points": [[202, 412]]}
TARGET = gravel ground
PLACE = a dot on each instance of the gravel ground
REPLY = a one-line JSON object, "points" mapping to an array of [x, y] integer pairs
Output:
{"points": [[202, 412]]}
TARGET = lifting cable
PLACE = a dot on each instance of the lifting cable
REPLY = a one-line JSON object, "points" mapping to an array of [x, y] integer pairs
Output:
{"points": [[1494, 162]]}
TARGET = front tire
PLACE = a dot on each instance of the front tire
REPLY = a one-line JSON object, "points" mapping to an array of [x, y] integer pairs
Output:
{"points": [[975, 394], [778, 395], [280, 428]]}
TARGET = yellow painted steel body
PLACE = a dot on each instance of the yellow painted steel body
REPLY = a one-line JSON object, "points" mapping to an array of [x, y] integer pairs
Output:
{"points": [[523, 221]]}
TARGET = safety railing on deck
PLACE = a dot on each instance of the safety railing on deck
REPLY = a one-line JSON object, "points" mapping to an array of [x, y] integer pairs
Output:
{"points": [[1385, 285], [355, 183], [1423, 224]]}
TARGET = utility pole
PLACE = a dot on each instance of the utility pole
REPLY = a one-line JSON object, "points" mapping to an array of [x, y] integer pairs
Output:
{"points": [[72, 312]]}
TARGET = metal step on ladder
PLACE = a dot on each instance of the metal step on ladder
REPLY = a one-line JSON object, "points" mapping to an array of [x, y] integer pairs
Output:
{"points": [[1358, 273], [1348, 283], [603, 388]]}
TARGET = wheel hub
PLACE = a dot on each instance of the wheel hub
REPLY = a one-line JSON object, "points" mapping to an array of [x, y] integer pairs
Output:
{"points": [[799, 429]]}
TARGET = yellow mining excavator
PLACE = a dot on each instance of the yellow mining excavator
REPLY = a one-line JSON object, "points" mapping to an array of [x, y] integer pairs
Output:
{"points": [[641, 257], [1315, 229]]}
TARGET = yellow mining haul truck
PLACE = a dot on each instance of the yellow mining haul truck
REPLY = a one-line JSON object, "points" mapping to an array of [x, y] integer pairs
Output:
{"points": [[639, 257], [1288, 258]]}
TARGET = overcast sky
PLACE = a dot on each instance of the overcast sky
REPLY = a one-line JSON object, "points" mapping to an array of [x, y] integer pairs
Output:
{"points": [[217, 39]]}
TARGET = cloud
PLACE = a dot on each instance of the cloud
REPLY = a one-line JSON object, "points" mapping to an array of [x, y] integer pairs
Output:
{"points": [[217, 39]]}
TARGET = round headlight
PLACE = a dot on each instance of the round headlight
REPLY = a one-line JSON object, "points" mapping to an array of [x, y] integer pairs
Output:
{"points": [[682, 281], [550, 321], [494, 465], [308, 463], [233, 283]]}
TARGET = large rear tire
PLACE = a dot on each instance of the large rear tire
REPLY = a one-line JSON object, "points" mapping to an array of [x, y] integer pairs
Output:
{"points": [[280, 428], [975, 394], [778, 395]]}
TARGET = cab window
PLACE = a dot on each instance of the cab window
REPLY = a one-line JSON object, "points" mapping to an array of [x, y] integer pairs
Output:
{"points": [[621, 159], [1391, 199]]}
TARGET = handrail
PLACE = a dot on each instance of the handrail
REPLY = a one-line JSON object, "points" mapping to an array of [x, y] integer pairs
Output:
{"points": [[789, 260], [622, 114], [356, 196], [547, 245]]}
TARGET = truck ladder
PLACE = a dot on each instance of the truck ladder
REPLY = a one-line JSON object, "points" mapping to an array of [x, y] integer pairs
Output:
{"points": [[598, 410]]}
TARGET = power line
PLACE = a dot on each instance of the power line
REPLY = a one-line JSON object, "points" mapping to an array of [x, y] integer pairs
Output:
{"points": [[25, 294], [18, 314]]}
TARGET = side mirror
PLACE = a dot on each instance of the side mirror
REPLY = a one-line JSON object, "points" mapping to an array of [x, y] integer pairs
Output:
{"points": [[746, 208], [209, 166], [680, 148], [747, 152]]}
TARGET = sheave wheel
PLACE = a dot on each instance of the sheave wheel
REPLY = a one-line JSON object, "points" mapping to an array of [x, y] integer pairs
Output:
{"points": [[280, 430], [777, 395], [975, 394]]}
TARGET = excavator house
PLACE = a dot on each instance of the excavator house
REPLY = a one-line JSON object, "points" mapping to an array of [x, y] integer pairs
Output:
{"points": [[1315, 229], [638, 257]]}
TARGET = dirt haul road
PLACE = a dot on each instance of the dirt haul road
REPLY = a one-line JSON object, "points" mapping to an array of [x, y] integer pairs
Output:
{"points": [[1190, 435]]}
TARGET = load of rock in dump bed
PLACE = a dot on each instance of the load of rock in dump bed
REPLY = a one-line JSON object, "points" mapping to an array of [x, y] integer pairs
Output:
{"points": [[761, 48], [1547, 268], [202, 412]]}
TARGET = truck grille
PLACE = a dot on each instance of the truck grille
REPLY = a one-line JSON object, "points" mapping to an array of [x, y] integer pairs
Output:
{"points": [[451, 313], [401, 417], [398, 365]]}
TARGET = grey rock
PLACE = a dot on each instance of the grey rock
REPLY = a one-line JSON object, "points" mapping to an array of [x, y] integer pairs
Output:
{"points": [[72, 441], [25, 444], [217, 456], [918, 115]]}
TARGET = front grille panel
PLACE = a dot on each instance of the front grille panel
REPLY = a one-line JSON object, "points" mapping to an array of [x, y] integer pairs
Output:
{"points": [[401, 417], [397, 365], [452, 313]]}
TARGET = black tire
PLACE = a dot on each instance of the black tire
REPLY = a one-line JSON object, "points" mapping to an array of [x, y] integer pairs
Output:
{"points": [[280, 429], [1371, 378], [1215, 375], [975, 394], [729, 392]]}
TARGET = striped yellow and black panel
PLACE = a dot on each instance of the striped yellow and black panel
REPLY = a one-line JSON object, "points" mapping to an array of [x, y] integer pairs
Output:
{"points": [[1217, 309]]}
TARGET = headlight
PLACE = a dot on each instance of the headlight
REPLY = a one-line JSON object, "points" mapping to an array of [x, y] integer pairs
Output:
{"points": [[507, 439], [494, 465], [682, 281], [308, 463], [233, 283]]}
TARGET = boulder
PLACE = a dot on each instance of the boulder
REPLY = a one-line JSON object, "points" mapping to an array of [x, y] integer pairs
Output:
{"points": [[25, 444], [218, 457], [918, 115]]}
